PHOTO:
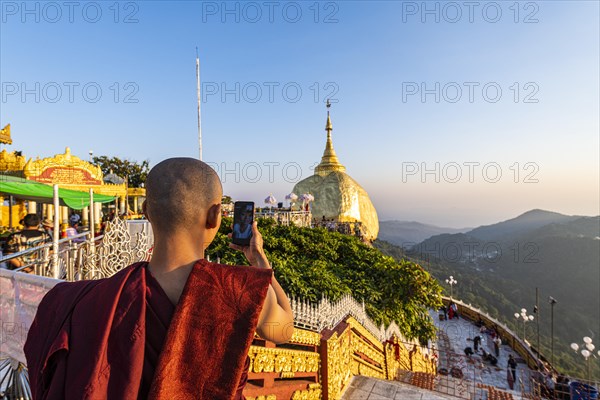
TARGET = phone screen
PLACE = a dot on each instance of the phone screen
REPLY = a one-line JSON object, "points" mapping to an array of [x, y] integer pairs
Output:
{"points": [[243, 217]]}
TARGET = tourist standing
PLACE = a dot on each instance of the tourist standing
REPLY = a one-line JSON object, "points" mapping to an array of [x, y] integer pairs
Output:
{"points": [[510, 379], [476, 343], [454, 309], [512, 365], [497, 343]]}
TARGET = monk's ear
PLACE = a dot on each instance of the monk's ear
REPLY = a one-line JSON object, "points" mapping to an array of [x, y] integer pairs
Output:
{"points": [[145, 210], [213, 217]]}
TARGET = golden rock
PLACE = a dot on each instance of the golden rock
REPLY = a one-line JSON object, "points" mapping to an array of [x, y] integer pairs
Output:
{"points": [[337, 195]]}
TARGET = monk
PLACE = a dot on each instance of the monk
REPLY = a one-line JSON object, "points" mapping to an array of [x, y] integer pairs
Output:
{"points": [[178, 327]]}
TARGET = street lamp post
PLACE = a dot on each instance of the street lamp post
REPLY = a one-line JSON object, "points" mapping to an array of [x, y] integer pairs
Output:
{"points": [[552, 302], [587, 351], [536, 311], [451, 281], [526, 318]]}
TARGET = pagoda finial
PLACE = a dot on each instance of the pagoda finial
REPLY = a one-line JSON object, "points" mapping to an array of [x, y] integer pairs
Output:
{"points": [[329, 161], [328, 126]]}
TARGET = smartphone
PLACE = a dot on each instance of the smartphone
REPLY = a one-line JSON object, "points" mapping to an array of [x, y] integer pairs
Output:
{"points": [[243, 218]]}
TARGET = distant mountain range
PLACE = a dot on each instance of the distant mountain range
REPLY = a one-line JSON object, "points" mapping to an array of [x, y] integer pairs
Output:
{"points": [[484, 246], [406, 234], [521, 224], [498, 267]]}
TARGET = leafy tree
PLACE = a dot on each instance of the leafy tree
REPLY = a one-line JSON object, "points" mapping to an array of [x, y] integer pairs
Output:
{"points": [[135, 172], [311, 263]]}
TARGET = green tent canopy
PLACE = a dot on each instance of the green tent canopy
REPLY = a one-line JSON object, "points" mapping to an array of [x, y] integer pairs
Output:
{"points": [[35, 191]]}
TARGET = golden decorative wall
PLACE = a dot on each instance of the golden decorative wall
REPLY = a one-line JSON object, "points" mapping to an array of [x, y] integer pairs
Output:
{"points": [[63, 169], [350, 350], [286, 362], [66, 170]]}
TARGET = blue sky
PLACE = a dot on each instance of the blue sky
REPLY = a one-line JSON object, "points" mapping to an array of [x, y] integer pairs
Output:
{"points": [[541, 133]]}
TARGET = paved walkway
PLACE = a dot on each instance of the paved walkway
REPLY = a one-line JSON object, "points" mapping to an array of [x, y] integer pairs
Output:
{"points": [[454, 335], [363, 388]]}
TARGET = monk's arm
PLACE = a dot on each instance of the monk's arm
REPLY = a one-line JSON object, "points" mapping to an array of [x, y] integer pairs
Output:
{"points": [[276, 320]]}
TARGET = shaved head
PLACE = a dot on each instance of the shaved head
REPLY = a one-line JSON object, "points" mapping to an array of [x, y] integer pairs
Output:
{"points": [[179, 191]]}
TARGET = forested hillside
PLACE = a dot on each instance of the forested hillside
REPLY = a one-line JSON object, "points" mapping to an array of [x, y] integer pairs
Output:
{"points": [[562, 259], [311, 263]]}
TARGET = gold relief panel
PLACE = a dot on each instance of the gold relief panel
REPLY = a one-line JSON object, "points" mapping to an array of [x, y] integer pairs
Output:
{"points": [[354, 368], [392, 364], [63, 169], [263, 362], [364, 332], [302, 336], [361, 346], [339, 357], [11, 161], [139, 192], [418, 364], [5, 135], [312, 364], [313, 392], [283, 361], [267, 397], [367, 369]]}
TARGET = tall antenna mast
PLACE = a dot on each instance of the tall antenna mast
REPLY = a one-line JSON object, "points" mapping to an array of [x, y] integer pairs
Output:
{"points": [[198, 92]]}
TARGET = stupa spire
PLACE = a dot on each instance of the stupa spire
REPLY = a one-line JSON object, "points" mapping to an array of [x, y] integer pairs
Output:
{"points": [[329, 161]]}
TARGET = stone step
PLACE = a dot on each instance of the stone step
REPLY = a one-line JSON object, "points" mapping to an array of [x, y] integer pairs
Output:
{"points": [[363, 388]]}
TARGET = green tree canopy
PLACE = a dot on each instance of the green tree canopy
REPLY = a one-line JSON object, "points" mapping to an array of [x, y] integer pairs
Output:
{"points": [[134, 172], [311, 263]]}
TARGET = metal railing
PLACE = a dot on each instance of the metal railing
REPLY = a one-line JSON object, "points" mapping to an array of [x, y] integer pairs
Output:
{"points": [[79, 257], [286, 217], [41, 261]]}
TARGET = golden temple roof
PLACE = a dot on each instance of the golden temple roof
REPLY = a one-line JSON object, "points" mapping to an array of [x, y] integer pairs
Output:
{"points": [[329, 161]]}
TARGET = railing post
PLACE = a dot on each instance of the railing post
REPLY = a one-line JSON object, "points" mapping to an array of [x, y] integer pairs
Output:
{"points": [[92, 235], [69, 266], [41, 268], [55, 272], [71, 256]]}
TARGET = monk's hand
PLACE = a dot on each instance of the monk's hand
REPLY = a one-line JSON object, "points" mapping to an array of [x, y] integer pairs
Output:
{"points": [[254, 251]]}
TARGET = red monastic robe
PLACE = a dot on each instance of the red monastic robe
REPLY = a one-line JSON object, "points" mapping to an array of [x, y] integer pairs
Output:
{"points": [[89, 339]]}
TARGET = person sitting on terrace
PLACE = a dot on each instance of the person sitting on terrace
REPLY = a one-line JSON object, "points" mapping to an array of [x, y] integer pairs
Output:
{"points": [[489, 357], [31, 236], [468, 351], [73, 229], [178, 326]]}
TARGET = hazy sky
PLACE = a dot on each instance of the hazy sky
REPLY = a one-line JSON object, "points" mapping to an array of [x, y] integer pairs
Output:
{"points": [[451, 113]]}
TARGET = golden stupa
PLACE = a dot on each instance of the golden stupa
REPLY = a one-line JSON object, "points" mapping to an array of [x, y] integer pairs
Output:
{"points": [[337, 195]]}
